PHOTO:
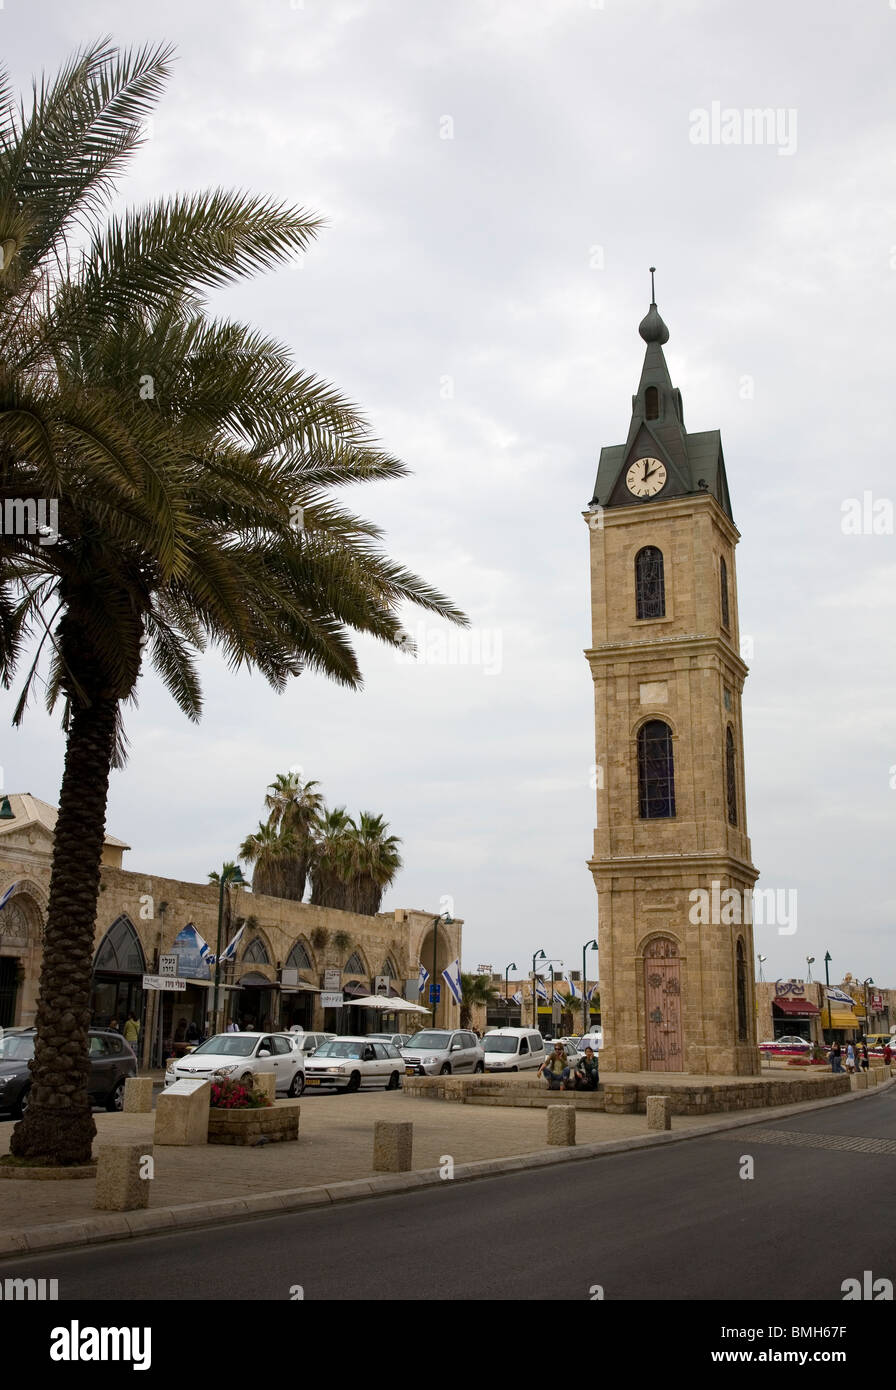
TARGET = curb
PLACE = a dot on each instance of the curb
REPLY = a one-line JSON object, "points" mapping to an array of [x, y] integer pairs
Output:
{"points": [[99, 1230]]}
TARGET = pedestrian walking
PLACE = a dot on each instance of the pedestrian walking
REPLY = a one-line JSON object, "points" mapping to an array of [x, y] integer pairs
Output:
{"points": [[863, 1056], [850, 1058], [131, 1030]]}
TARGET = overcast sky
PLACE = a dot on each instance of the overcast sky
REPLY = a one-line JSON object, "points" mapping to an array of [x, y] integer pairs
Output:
{"points": [[497, 177]]}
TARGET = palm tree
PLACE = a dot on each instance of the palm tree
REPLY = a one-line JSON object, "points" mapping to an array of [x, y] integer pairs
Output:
{"points": [[271, 851], [294, 807], [231, 873], [475, 990], [332, 861], [177, 503], [376, 863]]}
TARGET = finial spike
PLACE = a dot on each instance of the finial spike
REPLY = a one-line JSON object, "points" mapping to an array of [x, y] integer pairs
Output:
{"points": [[652, 290]]}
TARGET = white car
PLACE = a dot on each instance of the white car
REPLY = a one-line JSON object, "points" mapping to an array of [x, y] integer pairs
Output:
{"points": [[513, 1049], [239, 1056], [308, 1043], [354, 1064]]}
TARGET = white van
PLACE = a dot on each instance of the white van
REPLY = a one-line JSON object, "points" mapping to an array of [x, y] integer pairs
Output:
{"points": [[513, 1049]]}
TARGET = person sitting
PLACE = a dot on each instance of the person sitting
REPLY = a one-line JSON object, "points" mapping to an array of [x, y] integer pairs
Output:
{"points": [[587, 1074], [556, 1068]]}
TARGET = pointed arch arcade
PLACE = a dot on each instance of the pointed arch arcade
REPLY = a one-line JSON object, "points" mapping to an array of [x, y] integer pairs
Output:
{"points": [[118, 968]]}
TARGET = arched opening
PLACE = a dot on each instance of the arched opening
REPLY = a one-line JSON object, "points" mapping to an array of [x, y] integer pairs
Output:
{"points": [[731, 776], [297, 994], [298, 958], [723, 591], [354, 965], [650, 583], [656, 771], [652, 403], [444, 955], [741, 967], [118, 969], [256, 953], [662, 1005]]}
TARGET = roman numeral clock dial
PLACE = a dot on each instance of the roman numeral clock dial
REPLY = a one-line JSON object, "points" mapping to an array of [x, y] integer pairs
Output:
{"points": [[646, 477]]}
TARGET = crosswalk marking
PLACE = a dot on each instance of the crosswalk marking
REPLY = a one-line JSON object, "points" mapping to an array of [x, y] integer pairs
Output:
{"points": [[794, 1138]]}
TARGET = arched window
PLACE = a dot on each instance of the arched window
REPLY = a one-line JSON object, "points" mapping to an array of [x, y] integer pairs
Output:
{"points": [[650, 583], [389, 969], [298, 958], [120, 949], [256, 953], [741, 993], [652, 403], [656, 773], [731, 776], [723, 585], [354, 965]]}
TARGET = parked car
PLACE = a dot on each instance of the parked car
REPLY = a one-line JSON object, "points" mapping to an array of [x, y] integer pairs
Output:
{"points": [[308, 1043], [112, 1061], [594, 1040], [240, 1056], [441, 1051], [788, 1043], [354, 1064], [396, 1039], [513, 1049], [878, 1041]]}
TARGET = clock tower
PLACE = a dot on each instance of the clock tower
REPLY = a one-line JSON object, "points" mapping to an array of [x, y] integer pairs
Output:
{"points": [[671, 861]]}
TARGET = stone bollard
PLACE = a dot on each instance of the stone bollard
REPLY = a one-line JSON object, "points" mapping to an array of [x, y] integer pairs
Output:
{"points": [[659, 1112], [858, 1081], [266, 1083], [138, 1095], [393, 1143], [562, 1125], [122, 1179], [182, 1113]]}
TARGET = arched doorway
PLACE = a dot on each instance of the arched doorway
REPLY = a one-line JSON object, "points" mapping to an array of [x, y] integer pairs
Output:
{"points": [[445, 954], [118, 969], [21, 942], [662, 1004]]}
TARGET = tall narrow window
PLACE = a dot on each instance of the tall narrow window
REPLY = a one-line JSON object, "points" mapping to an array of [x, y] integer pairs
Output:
{"points": [[741, 993], [650, 583], [652, 403], [731, 776], [656, 774], [723, 583]]}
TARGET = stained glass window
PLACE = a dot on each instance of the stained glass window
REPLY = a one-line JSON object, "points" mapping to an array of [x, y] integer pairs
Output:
{"points": [[656, 774], [650, 584]]}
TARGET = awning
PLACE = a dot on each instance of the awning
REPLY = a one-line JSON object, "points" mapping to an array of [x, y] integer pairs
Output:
{"points": [[254, 980], [303, 987], [800, 1007], [840, 1018], [355, 990]]}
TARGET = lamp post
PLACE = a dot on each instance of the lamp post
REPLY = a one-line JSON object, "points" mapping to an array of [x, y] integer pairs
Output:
{"points": [[539, 955], [865, 984], [827, 990], [447, 919], [512, 966], [810, 961], [761, 959], [230, 873], [586, 1015], [550, 962]]}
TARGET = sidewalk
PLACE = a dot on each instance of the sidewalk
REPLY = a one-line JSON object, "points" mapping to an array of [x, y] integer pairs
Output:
{"points": [[332, 1160]]}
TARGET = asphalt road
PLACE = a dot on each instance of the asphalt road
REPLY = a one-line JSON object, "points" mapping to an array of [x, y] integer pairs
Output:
{"points": [[675, 1222]]}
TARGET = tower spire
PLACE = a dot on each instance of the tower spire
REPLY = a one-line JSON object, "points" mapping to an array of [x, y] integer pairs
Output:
{"points": [[652, 290], [651, 328]]}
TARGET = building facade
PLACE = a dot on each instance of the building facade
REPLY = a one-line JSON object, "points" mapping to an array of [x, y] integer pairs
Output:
{"points": [[807, 1009], [665, 659], [289, 953]]}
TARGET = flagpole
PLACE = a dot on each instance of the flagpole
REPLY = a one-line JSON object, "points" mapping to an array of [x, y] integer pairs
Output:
{"points": [[218, 953]]}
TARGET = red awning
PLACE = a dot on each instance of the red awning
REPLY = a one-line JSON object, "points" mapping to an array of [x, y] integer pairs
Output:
{"points": [[801, 1007]]}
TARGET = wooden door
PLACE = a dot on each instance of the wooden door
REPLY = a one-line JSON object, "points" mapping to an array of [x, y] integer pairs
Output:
{"points": [[662, 988]]}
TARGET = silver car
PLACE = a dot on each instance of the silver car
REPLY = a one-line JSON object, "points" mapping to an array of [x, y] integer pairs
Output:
{"points": [[443, 1051]]}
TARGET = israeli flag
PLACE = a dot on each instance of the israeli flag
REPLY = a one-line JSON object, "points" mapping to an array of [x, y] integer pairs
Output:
{"points": [[451, 976], [540, 990], [421, 979], [572, 986], [517, 998], [202, 945], [230, 952], [589, 993], [8, 894]]}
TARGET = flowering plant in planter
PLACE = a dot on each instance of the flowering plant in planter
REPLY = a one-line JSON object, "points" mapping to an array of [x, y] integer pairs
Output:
{"points": [[233, 1095]]}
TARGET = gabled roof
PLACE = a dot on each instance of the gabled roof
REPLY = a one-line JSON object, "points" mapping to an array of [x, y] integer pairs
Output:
{"points": [[30, 810]]}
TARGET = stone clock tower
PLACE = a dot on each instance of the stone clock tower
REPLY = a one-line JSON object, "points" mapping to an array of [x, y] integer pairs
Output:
{"points": [[676, 946]]}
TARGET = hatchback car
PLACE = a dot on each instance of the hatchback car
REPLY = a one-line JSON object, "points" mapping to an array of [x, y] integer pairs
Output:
{"points": [[112, 1061], [354, 1064], [239, 1056], [442, 1051]]}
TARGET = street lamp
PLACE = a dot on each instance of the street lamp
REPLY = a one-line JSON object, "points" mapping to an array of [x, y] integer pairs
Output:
{"points": [[447, 919], [866, 983], [550, 962], [586, 1017], [512, 966], [230, 873], [539, 955], [762, 959], [810, 961], [827, 990]]}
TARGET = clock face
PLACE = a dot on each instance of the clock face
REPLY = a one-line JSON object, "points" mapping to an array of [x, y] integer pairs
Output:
{"points": [[645, 477]]}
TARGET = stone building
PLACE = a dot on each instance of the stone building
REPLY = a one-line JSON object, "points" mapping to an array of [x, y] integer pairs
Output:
{"points": [[287, 953], [665, 659], [801, 1008]]}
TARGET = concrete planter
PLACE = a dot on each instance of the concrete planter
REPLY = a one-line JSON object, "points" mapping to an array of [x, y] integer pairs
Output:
{"points": [[276, 1124]]}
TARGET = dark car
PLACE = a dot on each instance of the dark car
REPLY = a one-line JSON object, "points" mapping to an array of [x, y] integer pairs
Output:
{"points": [[111, 1063]]}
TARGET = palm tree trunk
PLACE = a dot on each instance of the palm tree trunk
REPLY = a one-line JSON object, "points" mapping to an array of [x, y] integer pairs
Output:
{"points": [[58, 1125]]}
